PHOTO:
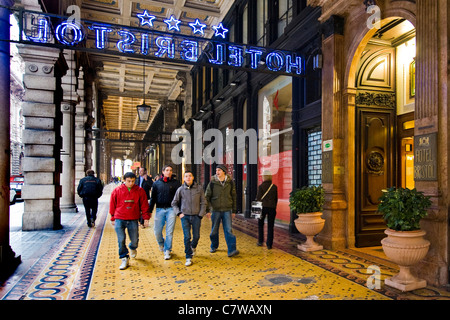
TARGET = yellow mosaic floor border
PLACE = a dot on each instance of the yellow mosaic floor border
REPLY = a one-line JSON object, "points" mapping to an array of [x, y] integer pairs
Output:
{"points": [[256, 273]]}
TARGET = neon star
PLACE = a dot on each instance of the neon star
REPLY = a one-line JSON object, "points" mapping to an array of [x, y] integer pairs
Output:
{"points": [[146, 18], [173, 23], [220, 30], [197, 27]]}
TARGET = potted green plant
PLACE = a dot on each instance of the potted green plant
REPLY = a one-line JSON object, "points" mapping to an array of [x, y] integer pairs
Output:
{"points": [[402, 210], [307, 202]]}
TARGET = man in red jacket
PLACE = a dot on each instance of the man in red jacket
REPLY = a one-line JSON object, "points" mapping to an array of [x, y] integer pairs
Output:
{"points": [[127, 203]]}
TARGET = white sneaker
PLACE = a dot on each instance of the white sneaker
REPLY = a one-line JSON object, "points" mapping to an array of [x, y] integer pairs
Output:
{"points": [[167, 255], [193, 251], [133, 253], [188, 262], [124, 263], [161, 248]]}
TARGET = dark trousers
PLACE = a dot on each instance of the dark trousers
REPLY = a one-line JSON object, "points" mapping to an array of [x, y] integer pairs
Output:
{"points": [[90, 206], [141, 219], [270, 213]]}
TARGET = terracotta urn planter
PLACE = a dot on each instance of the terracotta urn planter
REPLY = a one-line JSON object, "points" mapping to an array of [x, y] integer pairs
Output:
{"points": [[309, 224], [405, 248]]}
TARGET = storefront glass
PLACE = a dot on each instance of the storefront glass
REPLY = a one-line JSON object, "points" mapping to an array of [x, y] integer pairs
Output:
{"points": [[275, 139]]}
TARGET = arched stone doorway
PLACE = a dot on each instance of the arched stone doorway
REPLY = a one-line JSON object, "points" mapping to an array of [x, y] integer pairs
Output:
{"points": [[384, 85], [345, 40]]}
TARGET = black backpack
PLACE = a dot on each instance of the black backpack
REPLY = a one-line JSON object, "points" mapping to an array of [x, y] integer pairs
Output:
{"points": [[91, 188]]}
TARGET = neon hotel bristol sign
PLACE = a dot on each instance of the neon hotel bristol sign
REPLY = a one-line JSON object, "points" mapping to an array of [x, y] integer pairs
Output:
{"points": [[145, 40]]}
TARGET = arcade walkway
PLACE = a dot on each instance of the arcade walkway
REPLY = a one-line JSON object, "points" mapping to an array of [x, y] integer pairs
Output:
{"points": [[79, 263]]}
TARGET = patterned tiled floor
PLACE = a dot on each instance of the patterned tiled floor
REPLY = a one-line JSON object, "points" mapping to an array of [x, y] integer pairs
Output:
{"points": [[82, 264]]}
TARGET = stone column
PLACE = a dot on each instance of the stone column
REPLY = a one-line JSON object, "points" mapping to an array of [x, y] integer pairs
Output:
{"points": [[431, 119], [333, 235], [80, 134], [70, 99], [8, 261], [41, 137]]}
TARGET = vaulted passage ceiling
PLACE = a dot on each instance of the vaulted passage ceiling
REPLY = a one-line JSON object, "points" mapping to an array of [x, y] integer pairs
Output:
{"points": [[120, 78]]}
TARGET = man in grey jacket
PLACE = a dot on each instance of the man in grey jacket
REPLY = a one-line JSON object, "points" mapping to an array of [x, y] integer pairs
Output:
{"points": [[189, 204]]}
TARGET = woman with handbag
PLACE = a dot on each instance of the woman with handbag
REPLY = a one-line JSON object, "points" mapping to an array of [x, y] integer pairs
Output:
{"points": [[268, 195]]}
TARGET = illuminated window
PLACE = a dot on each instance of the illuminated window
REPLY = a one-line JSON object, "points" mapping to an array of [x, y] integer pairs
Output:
{"points": [[314, 158], [261, 20]]}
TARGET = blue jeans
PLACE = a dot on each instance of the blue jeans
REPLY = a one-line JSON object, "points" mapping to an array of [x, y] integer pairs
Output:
{"points": [[230, 238], [133, 233], [164, 217], [188, 222]]}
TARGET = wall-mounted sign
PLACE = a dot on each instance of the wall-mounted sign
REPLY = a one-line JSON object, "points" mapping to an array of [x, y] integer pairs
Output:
{"points": [[327, 167], [425, 157], [146, 41], [327, 145]]}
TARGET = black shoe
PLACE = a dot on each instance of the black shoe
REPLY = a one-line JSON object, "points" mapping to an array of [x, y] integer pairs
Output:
{"points": [[269, 247], [234, 253], [259, 244]]}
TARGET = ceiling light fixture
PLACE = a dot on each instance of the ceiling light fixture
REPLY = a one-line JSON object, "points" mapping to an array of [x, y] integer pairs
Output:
{"points": [[143, 110]]}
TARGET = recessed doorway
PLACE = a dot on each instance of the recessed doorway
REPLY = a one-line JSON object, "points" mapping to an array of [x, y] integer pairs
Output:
{"points": [[384, 132]]}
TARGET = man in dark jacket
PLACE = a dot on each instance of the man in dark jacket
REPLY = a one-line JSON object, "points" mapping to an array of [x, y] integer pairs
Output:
{"points": [[90, 189], [145, 182], [268, 194], [221, 197], [163, 192]]}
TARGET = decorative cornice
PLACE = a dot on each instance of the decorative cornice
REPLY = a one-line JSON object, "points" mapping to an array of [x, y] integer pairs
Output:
{"points": [[376, 99]]}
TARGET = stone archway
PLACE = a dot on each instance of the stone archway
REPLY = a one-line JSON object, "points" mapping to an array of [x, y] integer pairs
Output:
{"points": [[341, 52], [382, 104]]}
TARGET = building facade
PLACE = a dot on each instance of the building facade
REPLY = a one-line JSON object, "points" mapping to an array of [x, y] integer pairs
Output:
{"points": [[17, 121], [231, 100], [384, 92]]}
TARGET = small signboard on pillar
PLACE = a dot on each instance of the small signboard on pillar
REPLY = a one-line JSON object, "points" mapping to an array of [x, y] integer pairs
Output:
{"points": [[327, 161], [425, 157]]}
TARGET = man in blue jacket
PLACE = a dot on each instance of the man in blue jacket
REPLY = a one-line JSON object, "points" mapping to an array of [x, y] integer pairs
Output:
{"points": [[163, 192]]}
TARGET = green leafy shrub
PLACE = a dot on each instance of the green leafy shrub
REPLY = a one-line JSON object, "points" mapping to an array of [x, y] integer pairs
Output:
{"points": [[307, 199], [403, 209]]}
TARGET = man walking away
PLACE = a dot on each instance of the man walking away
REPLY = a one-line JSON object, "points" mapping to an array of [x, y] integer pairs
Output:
{"points": [[189, 204], [90, 188], [221, 197], [127, 203], [163, 191], [268, 194]]}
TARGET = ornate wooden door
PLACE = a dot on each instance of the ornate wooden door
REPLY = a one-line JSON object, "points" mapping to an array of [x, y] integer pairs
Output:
{"points": [[375, 171], [375, 140]]}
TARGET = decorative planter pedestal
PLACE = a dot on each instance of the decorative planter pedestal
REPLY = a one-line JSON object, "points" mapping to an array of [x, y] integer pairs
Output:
{"points": [[309, 224], [405, 248]]}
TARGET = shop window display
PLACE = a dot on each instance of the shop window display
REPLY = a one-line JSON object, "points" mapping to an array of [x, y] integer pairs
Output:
{"points": [[275, 130]]}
